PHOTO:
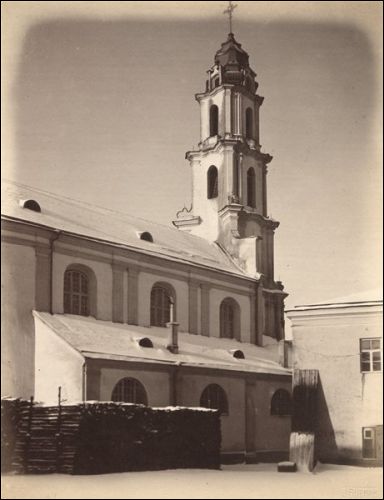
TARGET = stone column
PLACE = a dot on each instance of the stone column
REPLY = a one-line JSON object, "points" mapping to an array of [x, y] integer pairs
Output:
{"points": [[133, 295], [43, 279], [265, 208], [193, 287], [118, 292], [253, 319], [205, 290], [260, 315]]}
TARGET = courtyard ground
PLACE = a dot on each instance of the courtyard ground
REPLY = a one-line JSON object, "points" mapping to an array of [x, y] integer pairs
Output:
{"points": [[236, 481]]}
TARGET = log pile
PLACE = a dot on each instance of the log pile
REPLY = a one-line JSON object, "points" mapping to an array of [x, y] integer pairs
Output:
{"points": [[96, 438]]}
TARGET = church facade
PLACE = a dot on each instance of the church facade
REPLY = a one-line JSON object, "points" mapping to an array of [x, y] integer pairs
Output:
{"points": [[110, 307]]}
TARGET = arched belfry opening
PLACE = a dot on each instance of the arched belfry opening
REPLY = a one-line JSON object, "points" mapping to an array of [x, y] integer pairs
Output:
{"points": [[251, 188], [213, 120], [212, 182], [249, 123]]}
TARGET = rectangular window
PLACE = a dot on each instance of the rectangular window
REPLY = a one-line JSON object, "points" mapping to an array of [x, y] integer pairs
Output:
{"points": [[370, 355], [369, 442]]}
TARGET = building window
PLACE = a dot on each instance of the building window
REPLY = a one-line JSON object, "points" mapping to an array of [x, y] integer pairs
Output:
{"points": [[229, 319], [76, 292], [369, 442], [216, 82], [370, 355], [281, 403], [212, 182], [129, 390], [162, 296], [215, 397], [251, 185], [213, 120], [249, 123]]}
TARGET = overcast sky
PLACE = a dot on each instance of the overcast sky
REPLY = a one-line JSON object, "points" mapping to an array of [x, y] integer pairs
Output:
{"points": [[98, 105]]}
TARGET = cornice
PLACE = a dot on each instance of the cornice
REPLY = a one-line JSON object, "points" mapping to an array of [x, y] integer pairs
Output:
{"points": [[258, 99]]}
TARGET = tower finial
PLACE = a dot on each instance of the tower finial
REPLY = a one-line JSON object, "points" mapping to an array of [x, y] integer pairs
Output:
{"points": [[231, 7]]}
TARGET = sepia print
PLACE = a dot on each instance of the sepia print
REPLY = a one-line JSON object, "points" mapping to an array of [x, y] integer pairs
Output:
{"points": [[191, 285]]}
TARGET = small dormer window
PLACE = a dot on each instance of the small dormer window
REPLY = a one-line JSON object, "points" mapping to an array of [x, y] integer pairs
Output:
{"points": [[145, 342], [146, 236], [238, 354], [30, 205]]}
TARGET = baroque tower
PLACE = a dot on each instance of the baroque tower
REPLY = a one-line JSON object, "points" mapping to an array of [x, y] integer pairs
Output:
{"points": [[229, 177]]}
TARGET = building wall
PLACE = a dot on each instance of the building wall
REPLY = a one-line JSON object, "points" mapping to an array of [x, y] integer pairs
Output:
{"points": [[349, 400], [192, 386], [17, 332], [270, 432], [57, 365], [103, 272]]}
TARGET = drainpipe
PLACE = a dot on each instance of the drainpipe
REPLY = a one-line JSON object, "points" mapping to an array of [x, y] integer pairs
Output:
{"points": [[52, 241], [173, 343]]}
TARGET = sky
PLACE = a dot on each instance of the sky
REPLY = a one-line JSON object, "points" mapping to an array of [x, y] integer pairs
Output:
{"points": [[98, 105]]}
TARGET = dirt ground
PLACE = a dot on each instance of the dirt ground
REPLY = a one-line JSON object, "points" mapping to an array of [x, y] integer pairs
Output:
{"points": [[237, 481]]}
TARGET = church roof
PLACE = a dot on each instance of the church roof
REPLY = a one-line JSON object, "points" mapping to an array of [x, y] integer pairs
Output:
{"points": [[96, 339], [90, 221], [231, 52]]}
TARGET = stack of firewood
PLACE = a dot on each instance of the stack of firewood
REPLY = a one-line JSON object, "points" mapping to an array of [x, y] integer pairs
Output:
{"points": [[97, 438]]}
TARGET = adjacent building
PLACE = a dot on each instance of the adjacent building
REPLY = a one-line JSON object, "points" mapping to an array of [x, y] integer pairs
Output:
{"points": [[343, 340]]}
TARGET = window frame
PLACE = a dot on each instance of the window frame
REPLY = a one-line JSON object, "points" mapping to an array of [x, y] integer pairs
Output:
{"points": [[163, 310], [366, 440], [136, 387], [229, 316], [70, 294], [369, 360], [280, 407], [220, 396]]}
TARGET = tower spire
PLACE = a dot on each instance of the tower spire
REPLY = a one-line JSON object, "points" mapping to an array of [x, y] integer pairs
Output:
{"points": [[229, 10]]}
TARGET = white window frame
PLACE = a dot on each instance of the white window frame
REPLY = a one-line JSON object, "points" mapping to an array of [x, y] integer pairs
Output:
{"points": [[371, 351]]}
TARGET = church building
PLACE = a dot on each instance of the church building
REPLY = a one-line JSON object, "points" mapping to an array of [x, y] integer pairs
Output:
{"points": [[111, 307]]}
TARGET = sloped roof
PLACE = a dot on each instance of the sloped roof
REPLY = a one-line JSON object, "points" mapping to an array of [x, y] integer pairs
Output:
{"points": [[91, 221], [364, 298], [106, 340]]}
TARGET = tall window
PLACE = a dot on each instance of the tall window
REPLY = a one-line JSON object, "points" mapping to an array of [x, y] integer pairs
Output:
{"points": [[161, 298], [229, 319], [212, 182], [370, 355], [251, 186], [281, 403], [214, 397], [249, 123], [213, 120], [76, 292], [129, 390]]}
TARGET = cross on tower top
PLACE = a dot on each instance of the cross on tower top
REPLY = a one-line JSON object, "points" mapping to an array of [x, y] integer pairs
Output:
{"points": [[231, 7]]}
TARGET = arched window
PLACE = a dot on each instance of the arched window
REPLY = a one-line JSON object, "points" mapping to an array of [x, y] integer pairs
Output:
{"points": [[212, 182], [76, 292], [162, 295], [229, 319], [249, 123], [129, 390], [251, 187], [214, 397], [281, 403], [213, 120]]}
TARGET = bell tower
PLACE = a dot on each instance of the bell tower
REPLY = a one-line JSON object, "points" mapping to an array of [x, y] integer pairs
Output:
{"points": [[229, 171]]}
